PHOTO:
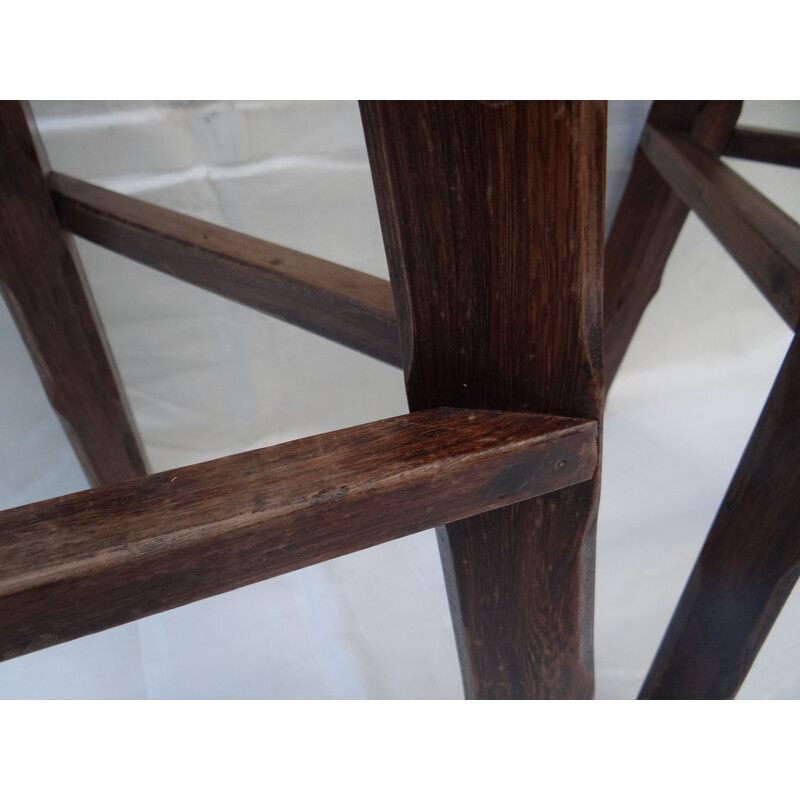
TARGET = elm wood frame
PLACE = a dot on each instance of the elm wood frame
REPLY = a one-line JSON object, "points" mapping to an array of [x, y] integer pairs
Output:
{"points": [[751, 558], [492, 216], [556, 608], [573, 139], [88, 561]]}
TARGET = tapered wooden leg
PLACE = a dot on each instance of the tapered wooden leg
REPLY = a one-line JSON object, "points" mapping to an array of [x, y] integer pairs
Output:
{"points": [[46, 292], [649, 219], [748, 565], [492, 216]]}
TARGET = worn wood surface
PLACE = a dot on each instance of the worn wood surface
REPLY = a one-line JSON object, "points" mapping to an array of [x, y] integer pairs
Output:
{"points": [[46, 291], [763, 239], [81, 563], [749, 562], [648, 221], [492, 216], [759, 144], [341, 304]]}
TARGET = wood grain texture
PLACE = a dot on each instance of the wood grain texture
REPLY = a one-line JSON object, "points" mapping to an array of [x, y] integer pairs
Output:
{"points": [[649, 218], [749, 562], [44, 286], [88, 561], [341, 304], [492, 216], [763, 239], [759, 144]]}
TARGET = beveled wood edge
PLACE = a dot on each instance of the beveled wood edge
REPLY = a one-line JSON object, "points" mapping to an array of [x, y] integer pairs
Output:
{"points": [[341, 304], [85, 562]]}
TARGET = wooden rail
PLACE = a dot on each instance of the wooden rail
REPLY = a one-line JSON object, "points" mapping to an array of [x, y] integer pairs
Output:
{"points": [[758, 144], [88, 561], [763, 239], [341, 304]]}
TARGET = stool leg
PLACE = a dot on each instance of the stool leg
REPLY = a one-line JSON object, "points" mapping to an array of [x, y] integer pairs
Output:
{"points": [[46, 291], [492, 217], [649, 218], [748, 565]]}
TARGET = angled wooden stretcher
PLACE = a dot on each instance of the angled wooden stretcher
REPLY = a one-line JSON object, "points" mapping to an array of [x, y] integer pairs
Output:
{"points": [[492, 216]]}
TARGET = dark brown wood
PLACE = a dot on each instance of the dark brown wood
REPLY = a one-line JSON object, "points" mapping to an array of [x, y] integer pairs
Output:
{"points": [[764, 240], [748, 565], [648, 221], [341, 304], [758, 144], [44, 286], [88, 561], [492, 216]]}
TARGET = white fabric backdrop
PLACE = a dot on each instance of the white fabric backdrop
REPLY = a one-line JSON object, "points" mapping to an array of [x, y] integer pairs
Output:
{"points": [[206, 378]]}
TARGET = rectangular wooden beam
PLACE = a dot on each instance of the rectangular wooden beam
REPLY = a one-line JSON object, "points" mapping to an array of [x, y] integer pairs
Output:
{"points": [[46, 291], [85, 562], [759, 144], [749, 562], [763, 239], [341, 304], [648, 221], [492, 217]]}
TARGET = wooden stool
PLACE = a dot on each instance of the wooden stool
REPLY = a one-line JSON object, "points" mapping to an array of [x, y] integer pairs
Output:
{"points": [[492, 215]]}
